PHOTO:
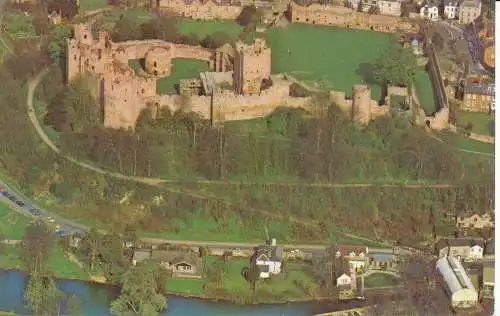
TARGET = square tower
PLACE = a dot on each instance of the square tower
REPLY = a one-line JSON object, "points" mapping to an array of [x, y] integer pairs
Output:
{"points": [[252, 64]]}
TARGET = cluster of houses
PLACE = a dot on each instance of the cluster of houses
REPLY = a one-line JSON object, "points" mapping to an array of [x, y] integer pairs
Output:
{"points": [[465, 11], [466, 269]]}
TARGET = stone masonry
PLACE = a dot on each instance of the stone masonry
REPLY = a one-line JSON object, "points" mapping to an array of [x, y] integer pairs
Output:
{"points": [[123, 94]]}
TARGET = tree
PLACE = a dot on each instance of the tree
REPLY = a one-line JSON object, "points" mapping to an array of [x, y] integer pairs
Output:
{"points": [[90, 246], [57, 42], [374, 9], [139, 293], [438, 41], [37, 242], [126, 29], [68, 9], [42, 295], [248, 16], [396, 66]]}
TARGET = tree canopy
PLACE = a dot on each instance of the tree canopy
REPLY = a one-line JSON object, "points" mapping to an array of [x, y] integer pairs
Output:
{"points": [[140, 293], [396, 66]]}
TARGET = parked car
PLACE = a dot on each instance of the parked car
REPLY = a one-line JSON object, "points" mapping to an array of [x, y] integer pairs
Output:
{"points": [[50, 219], [20, 203]]}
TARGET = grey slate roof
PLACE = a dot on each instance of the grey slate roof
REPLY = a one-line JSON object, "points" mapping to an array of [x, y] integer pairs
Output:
{"points": [[482, 89], [450, 3], [273, 253], [459, 242]]}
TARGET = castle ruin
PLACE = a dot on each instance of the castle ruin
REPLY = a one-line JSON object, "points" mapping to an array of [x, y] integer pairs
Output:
{"points": [[233, 90]]}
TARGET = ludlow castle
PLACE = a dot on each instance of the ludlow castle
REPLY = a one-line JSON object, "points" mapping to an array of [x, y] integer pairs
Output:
{"points": [[239, 87]]}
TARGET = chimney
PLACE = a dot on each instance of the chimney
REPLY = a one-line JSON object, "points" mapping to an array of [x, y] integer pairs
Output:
{"points": [[273, 242]]}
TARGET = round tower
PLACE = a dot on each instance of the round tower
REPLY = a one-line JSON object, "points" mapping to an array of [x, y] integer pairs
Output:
{"points": [[361, 104]]}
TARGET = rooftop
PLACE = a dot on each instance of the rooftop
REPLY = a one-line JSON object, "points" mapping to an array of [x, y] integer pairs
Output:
{"points": [[481, 89]]}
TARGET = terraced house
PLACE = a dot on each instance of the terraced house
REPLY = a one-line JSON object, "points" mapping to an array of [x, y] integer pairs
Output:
{"points": [[478, 97], [390, 7], [469, 11]]}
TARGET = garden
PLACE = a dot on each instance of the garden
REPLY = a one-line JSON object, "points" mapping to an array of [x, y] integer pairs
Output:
{"points": [[379, 279]]}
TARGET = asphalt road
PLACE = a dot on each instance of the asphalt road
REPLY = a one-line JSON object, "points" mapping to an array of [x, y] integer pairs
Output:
{"points": [[28, 208]]}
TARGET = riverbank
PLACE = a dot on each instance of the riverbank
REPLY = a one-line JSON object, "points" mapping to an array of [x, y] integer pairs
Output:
{"points": [[285, 288]]}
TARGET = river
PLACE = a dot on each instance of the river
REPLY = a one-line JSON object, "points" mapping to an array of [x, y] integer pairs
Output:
{"points": [[95, 301]]}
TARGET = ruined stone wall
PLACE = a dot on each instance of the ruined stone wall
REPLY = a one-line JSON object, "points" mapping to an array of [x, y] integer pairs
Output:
{"points": [[197, 10], [229, 106], [363, 109], [342, 17]]}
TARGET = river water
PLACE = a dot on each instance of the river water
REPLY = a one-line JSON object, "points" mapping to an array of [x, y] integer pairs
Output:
{"points": [[96, 298]]}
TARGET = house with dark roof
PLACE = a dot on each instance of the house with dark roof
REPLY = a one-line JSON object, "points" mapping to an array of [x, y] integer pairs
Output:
{"points": [[357, 256], [461, 248], [182, 263], [475, 220], [268, 259], [341, 273], [478, 97], [450, 9]]}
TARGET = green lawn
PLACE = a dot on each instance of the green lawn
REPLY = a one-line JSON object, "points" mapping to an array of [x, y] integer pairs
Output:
{"points": [[181, 69], [204, 28], [285, 286], [381, 279], [482, 123], [59, 265], [137, 65], [186, 286], [12, 224], [425, 93], [10, 258], [89, 5], [331, 58], [62, 267]]}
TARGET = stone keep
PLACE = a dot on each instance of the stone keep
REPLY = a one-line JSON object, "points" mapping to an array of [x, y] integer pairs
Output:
{"points": [[252, 64]]}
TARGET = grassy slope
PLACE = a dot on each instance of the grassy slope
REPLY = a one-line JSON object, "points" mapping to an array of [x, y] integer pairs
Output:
{"points": [[425, 93], [89, 5], [12, 225], [481, 122]]}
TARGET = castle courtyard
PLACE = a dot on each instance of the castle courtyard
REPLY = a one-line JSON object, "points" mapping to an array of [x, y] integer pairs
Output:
{"points": [[321, 56]]}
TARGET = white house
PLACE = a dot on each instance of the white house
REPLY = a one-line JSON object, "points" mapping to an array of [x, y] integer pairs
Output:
{"points": [[268, 259], [390, 7], [430, 12], [344, 280], [458, 285], [450, 9], [476, 250]]}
